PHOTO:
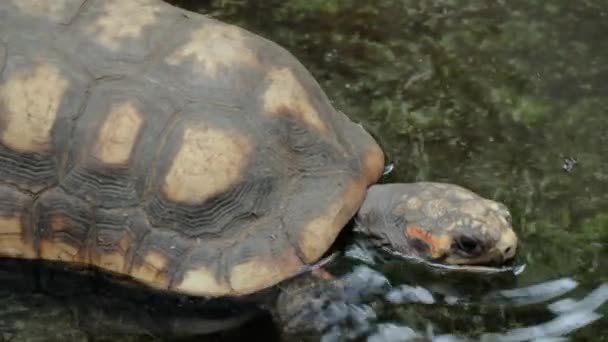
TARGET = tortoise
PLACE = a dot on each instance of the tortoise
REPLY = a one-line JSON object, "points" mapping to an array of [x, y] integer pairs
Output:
{"points": [[196, 157]]}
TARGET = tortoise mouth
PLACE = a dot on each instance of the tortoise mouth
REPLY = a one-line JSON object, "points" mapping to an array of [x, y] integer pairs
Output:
{"points": [[487, 268], [485, 260]]}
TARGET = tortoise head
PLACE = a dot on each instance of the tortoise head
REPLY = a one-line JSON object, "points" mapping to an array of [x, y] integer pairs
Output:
{"points": [[438, 222]]}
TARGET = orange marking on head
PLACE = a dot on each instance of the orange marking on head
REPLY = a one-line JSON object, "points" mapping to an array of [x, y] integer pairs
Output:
{"points": [[437, 243]]}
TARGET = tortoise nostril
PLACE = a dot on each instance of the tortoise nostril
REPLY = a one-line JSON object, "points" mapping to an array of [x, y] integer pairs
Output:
{"points": [[508, 253], [507, 245]]}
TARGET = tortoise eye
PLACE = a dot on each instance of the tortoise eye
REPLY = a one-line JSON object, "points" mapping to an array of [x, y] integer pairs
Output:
{"points": [[468, 245]]}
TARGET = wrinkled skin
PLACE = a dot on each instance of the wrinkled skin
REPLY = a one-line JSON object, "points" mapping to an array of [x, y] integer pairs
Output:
{"points": [[302, 303], [440, 223]]}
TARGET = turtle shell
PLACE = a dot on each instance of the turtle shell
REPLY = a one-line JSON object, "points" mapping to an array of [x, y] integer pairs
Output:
{"points": [[190, 155]]}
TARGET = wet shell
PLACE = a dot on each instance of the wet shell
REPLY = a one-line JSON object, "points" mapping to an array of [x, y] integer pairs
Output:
{"points": [[189, 154]]}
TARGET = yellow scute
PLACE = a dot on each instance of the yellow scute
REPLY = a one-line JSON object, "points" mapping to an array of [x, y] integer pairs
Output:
{"points": [[208, 162], [12, 240], [201, 281], [285, 95], [29, 101], [213, 46], [59, 251], [259, 273], [123, 20], [320, 233], [152, 270], [118, 134]]}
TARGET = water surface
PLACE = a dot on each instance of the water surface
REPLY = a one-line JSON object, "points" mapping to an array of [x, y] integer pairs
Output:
{"points": [[508, 98]]}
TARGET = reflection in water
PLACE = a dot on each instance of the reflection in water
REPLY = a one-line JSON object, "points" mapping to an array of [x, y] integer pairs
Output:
{"points": [[359, 313], [590, 303], [368, 290], [561, 325], [572, 314], [535, 293]]}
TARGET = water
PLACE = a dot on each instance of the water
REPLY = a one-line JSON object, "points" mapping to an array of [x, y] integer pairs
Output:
{"points": [[508, 98]]}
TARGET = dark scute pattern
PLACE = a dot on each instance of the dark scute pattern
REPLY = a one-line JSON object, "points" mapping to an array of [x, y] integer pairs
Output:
{"points": [[33, 171], [55, 203], [106, 187], [116, 186], [117, 224], [304, 150], [12, 201], [29, 171], [2, 56], [268, 243], [112, 226], [171, 245], [240, 206], [130, 53]]}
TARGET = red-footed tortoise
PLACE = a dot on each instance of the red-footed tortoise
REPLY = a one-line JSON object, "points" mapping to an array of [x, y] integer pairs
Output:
{"points": [[196, 157]]}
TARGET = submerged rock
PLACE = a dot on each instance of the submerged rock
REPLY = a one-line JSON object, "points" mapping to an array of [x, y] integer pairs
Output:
{"points": [[363, 283]]}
